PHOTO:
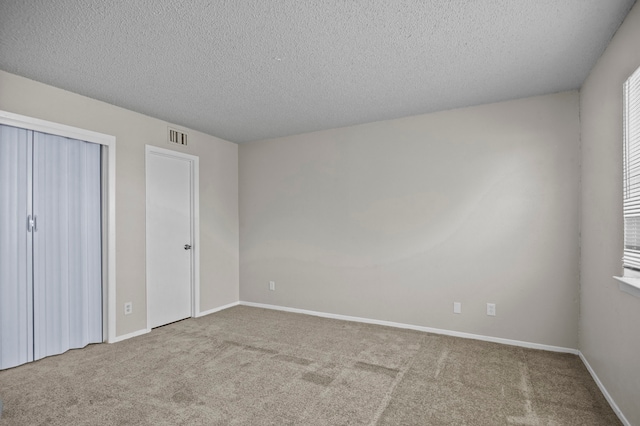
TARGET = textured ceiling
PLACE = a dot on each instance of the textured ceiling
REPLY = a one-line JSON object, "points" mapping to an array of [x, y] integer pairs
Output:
{"points": [[249, 70]]}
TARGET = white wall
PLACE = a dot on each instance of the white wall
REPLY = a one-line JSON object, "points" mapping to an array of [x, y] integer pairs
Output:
{"points": [[610, 319], [218, 190], [396, 220]]}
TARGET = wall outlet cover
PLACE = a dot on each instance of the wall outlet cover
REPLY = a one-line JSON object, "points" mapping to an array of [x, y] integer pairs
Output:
{"points": [[491, 309]]}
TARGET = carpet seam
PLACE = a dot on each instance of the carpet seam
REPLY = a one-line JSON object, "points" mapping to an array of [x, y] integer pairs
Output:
{"points": [[387, 398]]}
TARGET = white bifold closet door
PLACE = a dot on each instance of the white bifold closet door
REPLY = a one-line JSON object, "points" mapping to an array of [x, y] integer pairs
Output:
{"points": [[51, 265], [16, 315]]}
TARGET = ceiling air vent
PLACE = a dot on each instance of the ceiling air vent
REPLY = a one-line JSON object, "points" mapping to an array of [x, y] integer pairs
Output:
{"points": [[177, 137]]}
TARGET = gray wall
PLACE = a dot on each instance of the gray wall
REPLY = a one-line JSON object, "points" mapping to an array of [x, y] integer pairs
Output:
{"points": [[396, 220], [610, 319], [218, 190]]}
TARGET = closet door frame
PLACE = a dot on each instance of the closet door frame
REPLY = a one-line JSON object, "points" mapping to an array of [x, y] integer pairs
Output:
{"points": [[109, 173]]}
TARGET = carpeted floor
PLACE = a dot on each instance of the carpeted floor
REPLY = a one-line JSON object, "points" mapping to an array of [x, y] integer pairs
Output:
{"points": [[249, 366]]}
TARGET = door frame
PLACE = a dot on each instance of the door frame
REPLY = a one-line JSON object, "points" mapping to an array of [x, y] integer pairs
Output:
{"points": [[193, 161], [109, 210]]}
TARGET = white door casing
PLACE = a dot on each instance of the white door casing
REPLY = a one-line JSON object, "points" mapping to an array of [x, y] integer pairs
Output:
{"points": [[171, 236]]}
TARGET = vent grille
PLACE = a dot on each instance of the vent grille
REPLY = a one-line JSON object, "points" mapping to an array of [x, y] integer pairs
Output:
{"points": [[177, 137]]}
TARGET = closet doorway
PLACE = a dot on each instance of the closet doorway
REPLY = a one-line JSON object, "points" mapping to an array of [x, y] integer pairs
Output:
{"points": [[57, 238]]}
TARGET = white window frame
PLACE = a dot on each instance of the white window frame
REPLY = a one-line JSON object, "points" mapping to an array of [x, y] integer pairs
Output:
{"points": [[630, 280]]}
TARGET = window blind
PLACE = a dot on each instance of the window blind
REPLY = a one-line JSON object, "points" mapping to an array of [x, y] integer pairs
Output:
{"points": [[631, 172]]}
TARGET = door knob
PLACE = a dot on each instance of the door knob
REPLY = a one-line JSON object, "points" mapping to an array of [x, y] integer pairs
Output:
{"points": [[187, 246]]}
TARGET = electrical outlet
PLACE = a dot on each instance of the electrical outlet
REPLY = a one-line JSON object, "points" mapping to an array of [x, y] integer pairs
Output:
{"points": [[272, 285], [457, 307], [491, 309], [128, 308]]}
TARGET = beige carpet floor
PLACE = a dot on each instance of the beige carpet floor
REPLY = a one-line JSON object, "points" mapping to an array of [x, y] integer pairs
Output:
{"points": [[249, 366]]}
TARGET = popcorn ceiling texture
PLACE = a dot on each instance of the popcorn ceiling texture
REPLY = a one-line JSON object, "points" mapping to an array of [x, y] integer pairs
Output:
{"points": [[250, 70]]}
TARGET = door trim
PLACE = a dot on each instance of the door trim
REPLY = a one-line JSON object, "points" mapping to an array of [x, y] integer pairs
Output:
{"points": [[109, 172], [195, 223]]}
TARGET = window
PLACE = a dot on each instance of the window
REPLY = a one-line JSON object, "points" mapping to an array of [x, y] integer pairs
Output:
{"points": [[630, 282], [631, 172]]}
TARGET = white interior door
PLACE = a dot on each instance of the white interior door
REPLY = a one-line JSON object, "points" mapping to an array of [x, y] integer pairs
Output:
{"points": [[169, 237]]}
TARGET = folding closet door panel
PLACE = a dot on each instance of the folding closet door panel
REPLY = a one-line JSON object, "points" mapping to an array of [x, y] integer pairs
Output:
{"points": [[86, 212], [86, 271], [67, 294], [16, 339]]}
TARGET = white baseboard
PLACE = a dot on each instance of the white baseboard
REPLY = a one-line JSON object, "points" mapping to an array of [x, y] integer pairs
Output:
{"points": [[130, 335], [218, 309], [604, 391], [418, 328], [147, 330]]}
